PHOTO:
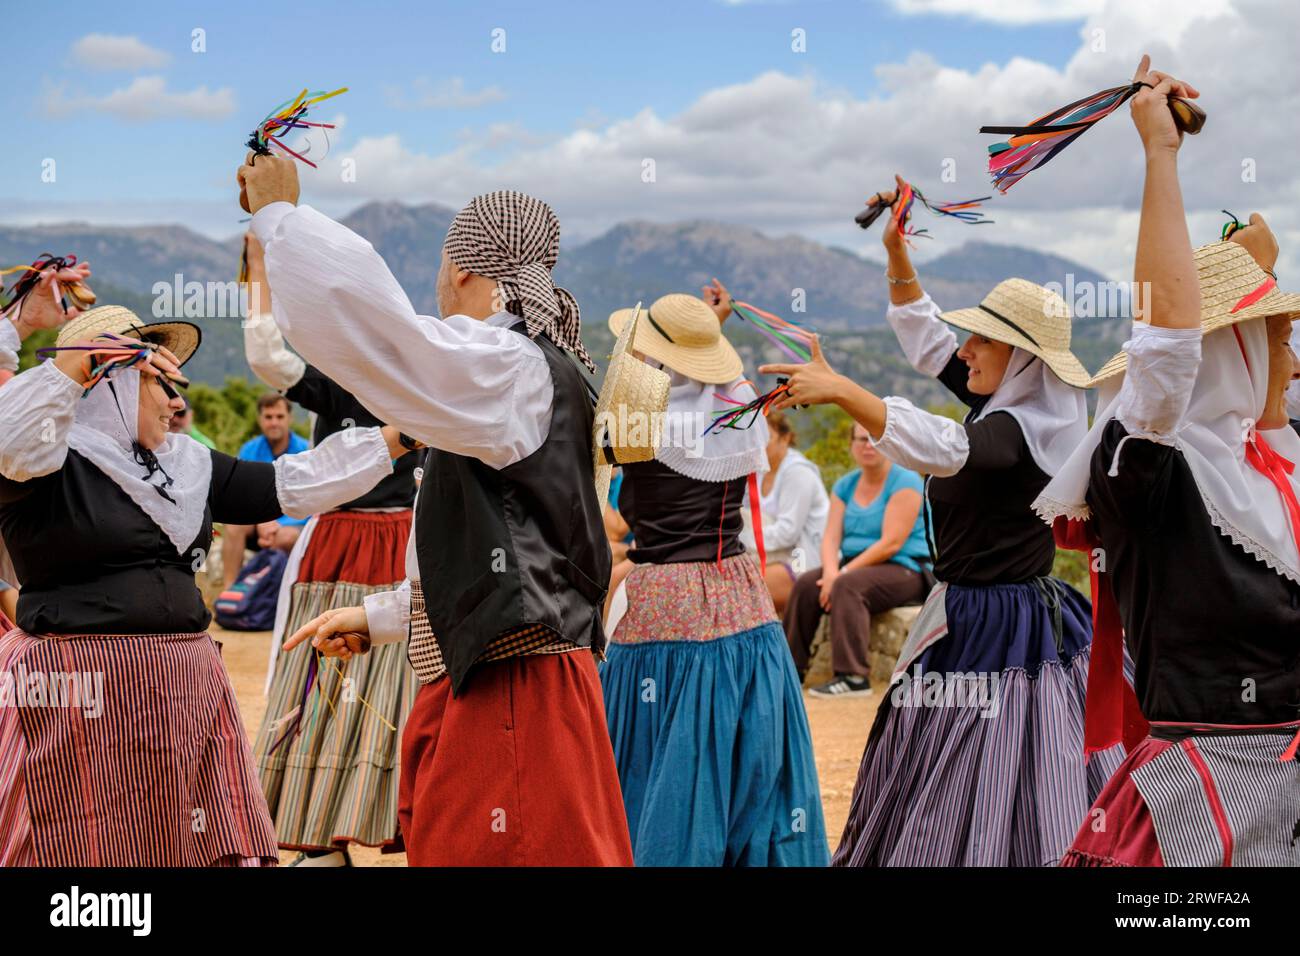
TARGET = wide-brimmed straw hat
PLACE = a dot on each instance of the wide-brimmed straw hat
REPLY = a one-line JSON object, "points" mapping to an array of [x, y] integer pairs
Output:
{"points": [[683, 333], [180, 338], [629, 410], [1234, 288], [1024, 314]]}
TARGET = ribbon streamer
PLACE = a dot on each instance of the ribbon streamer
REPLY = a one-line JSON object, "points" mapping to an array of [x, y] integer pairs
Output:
{"points": [[908, 196], [1230, 227], [1034, 145], [735, 417], [31, 275], [792, 339], [289, 115]]}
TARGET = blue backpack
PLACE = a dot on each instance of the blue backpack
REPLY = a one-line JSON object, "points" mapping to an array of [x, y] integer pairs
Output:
{"points": [[249, 603]]}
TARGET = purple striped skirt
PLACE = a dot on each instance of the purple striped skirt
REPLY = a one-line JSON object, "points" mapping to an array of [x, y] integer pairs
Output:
{"points": [[125, 750], [976, 757]]}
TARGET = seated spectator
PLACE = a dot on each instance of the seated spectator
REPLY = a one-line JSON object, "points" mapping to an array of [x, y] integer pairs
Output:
{"points": [[183, 424], [873, 552], [620, 541], [794, 505], [274, 416]]}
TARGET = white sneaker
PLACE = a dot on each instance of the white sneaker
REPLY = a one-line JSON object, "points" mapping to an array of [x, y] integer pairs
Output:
{"points": [[337, 858]]}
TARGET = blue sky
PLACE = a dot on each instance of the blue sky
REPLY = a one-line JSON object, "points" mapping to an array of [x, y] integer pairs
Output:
{"points": [[565, 64], [742, 129]]}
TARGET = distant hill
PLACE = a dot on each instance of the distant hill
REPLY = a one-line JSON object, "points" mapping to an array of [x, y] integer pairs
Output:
{"points": [[845, 295]]}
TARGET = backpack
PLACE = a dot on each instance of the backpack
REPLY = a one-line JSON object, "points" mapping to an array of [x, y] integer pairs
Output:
{"points": [[249, 603]]}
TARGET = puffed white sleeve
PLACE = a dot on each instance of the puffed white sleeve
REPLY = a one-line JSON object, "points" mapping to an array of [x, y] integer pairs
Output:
{"points": [[344, 466], [268, 357], [457, 384], [922, 441], [1162, 368], [927, 342], [37, 407]]}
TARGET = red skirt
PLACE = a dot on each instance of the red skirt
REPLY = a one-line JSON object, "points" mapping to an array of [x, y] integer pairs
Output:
{"points": [[516, 771]]}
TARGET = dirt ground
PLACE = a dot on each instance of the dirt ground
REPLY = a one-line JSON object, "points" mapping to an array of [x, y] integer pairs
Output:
{"points": [[839, 731]]}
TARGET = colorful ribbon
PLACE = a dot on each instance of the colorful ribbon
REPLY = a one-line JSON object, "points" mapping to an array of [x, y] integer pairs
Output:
{"points": [[31, 275], [908, 196], [290, 115], [792, 339], [733, 417], [1034, 146], [1230, 227]]}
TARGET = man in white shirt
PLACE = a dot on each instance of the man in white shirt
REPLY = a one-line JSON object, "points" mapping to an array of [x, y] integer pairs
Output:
{"points": [[507, 736]]}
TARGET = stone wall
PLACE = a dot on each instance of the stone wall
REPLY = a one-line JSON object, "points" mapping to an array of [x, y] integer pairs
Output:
{"points": [[888, 632]]}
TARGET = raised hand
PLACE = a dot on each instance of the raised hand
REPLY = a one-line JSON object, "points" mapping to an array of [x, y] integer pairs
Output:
{"points": [[42, 307], [813, 383], [266, 179], [1150, 107], [1259, 241], [718, 299]]}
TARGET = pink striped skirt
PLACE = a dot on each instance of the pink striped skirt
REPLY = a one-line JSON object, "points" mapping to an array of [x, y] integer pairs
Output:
{"points": [[125, 750]]}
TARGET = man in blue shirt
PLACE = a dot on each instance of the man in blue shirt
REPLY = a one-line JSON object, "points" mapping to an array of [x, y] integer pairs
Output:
{"points": [[274, 418]]}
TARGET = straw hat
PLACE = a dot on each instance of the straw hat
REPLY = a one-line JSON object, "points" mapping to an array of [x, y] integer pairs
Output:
{"points": [[629, 410], [1229, 276], [181, 338], [1028, 316], [684, 333]]}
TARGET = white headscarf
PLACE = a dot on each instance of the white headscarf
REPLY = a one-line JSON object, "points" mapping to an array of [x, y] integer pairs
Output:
{"points": [[1242, 504], [1052, 416], [105, 433], [725, 453]]}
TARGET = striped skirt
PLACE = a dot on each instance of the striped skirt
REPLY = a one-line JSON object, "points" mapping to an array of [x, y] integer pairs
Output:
{"points": [[124, 750], [327, 751], [976, 757], [707, 720], [1221, 800]]}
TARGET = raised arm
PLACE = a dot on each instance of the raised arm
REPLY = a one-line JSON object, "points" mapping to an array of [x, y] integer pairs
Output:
{"points": [[1167, 294], [268, 357], [461, 385]]}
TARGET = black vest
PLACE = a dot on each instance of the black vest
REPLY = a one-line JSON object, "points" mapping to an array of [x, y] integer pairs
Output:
{"points": [[524, 544]]}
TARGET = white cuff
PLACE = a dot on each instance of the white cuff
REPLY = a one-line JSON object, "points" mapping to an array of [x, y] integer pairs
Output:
{"points": [[1162, 368], [926, 341], [388, 614], [267, 221], [924, 442], [344, 466]]}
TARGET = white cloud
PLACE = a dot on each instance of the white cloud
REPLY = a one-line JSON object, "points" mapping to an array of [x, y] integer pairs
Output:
{"points": [[146, 98], [785, 154], [450, 94], [101, 51], [1005, 11]]}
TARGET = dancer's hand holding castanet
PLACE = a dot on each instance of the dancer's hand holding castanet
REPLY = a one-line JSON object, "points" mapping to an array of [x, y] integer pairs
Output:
{"points": [[1151, 110], [340, 633], [266, 179]]}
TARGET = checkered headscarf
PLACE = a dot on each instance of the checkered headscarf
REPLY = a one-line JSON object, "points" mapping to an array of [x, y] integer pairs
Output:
{"points": [[515, 239]]}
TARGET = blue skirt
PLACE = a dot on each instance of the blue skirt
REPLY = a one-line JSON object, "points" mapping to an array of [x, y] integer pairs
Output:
{"points": [[976, 756], [713, 752]]}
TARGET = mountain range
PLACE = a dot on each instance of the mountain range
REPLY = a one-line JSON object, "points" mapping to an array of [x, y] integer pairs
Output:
{"points": [[844, 294]]}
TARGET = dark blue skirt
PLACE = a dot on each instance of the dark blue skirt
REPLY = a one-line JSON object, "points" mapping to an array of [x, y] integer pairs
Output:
{"points": [[976, 756]]}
